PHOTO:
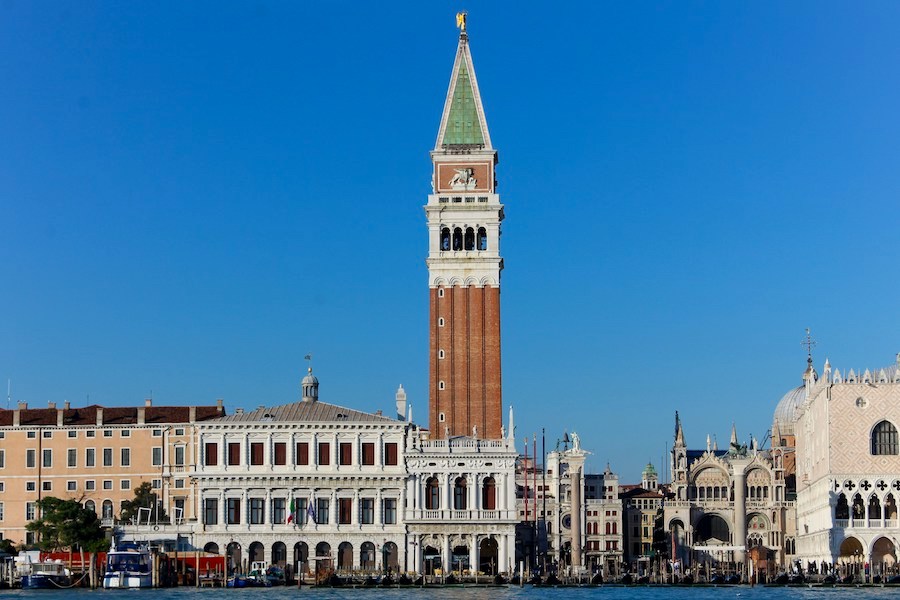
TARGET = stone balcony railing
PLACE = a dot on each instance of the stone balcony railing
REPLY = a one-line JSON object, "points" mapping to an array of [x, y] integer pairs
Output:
{"points": [[465, 516], [864, 524], [467, 444]]}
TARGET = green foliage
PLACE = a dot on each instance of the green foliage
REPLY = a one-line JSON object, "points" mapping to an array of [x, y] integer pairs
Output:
{"points": [[144, 497], [7, 547], [67, 524]]}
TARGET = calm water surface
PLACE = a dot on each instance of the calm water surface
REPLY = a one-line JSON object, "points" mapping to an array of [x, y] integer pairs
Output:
{"points": [[438, 593]]}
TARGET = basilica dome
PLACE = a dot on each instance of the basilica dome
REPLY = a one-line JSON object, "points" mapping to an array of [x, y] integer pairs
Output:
{"points": [[786, 411]]}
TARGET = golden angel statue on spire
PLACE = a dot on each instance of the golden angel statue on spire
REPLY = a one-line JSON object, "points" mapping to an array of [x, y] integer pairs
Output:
{"points": [[461, 21]]}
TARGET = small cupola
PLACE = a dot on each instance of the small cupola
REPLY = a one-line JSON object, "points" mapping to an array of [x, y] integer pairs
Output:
{"points": [[310, 387]]}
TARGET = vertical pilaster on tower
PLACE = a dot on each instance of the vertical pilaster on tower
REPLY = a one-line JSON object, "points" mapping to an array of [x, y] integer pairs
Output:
{"points": [[464, 264]]}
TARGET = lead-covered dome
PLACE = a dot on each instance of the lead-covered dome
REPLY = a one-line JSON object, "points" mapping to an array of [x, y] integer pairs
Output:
{"points": [[786, 411]]}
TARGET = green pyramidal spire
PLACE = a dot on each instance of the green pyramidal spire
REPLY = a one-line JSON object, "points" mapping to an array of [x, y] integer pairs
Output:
{"points": [[463, 123]]}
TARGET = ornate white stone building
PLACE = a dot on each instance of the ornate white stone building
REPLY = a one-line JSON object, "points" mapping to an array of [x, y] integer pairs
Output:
{"points": [[848, 468], [726, 504]]}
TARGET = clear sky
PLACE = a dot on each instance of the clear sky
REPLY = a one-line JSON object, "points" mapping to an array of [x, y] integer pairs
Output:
{"points": [[195, 195]]}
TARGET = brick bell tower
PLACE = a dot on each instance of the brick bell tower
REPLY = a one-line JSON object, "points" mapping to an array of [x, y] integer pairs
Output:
{"points": [[464, 264]]}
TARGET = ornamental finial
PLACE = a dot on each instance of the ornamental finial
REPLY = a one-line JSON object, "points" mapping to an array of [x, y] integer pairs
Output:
{"points": [[461, 21]]}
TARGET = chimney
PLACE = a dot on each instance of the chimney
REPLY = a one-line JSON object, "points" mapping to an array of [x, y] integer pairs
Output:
{"points": [[66, 405], [99, 416], [16, 419], [51, 404], [23, 405], [60, 417], [239, 411], [192, 414], [378, 413], [148, 402], [141, 415], [220, 404]]}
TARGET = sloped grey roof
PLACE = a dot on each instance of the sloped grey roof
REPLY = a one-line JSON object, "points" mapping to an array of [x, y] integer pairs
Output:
{"points": [[302, 412]]}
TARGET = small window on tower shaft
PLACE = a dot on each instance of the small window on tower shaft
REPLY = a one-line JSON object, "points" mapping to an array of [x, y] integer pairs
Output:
{"points": [[441, 322], [441, 417], [440, 385], [440, 292], [440, 353]]}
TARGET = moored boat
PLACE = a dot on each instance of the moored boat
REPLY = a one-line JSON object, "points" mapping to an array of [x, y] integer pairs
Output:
{"points": [[128, 566]]}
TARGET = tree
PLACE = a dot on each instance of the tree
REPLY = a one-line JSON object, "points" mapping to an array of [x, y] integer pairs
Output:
{"points": [[144, 497], [67, 524]]}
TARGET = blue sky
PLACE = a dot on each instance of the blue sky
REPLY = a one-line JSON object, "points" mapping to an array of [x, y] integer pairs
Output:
{"points": [[193, 196]]}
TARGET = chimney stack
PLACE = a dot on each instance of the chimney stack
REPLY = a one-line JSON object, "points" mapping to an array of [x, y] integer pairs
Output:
{"points": [[99, 416], [67, 405], [141, 415], [192, 414], [51, 404], [148, 402]]}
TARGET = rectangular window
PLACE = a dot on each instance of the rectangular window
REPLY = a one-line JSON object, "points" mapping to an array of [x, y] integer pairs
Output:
{"points": [[90, 457], [367, 511], [47, 434], [179, 484], [157, 456], [211, 454], [71, 486], [179, 456], [107, 433], [211, 511], [30, 486], [156, 484], [125, 484], [47, 458], [107, 484], [72, 457], [126, 457], [126, 433], [324, 454], [31, 435], [257, 511], [346, 453], [30, 508], [256, 453], [47, 486], [30, 459], [157, 433], [179, 431], [301, 506], [390, 453], [302, 453], [234, 453], [107, 457], [234, 511], [368, 453], [322, 507], [345, 507], [2, 459], [90, 433], [278, 511], [390, 511], [89, 485], [1, 511], [72, 433], [280, 453]]}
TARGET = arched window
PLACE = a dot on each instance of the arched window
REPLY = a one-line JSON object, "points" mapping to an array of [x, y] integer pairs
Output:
{"points": [[90, 505], [884, 439], [459, 493], [432, 494], [457, 239], [489, 494], [615, 528], [367, 556], [107, 509], [470, 239], [874, 507], [445, 238], [842, 509], [608, 528], [482, 239]]}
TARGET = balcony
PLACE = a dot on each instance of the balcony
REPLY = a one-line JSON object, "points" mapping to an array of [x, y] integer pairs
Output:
{"points": [[469, 516]]}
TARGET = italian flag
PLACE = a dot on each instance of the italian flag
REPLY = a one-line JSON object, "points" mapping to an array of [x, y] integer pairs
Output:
{"points": [[290, 517]]}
